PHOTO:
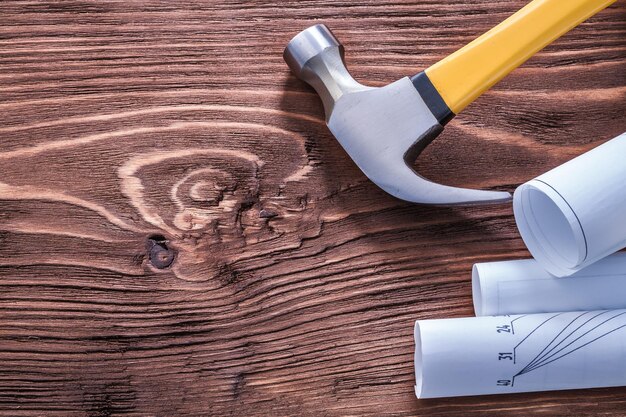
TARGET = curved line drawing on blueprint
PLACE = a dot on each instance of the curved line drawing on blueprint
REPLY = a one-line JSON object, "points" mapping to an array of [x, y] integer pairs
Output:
{"points": [[582, 330]]}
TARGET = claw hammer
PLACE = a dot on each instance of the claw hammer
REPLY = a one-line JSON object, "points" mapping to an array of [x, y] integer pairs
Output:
{"points": [[385, 129]]}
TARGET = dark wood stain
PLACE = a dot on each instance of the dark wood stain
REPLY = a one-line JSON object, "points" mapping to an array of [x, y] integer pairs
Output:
{"points": [[180, 235]]}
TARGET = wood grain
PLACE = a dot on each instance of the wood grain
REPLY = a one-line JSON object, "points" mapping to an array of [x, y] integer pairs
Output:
{"points": [[180, 235]]}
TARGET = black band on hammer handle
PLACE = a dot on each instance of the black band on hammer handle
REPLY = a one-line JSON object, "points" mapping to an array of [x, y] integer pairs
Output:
{"points": [[432, 98]]}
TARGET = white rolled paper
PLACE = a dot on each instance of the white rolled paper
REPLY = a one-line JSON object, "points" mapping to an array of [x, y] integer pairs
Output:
{"points": [[523, 286], [524, 353], [575, 214]]}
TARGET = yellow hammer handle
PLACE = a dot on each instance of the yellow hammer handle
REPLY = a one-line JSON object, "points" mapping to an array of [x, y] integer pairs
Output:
{"points": [[467, 73]]}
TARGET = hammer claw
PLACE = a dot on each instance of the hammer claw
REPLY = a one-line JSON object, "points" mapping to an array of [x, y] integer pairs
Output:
{"points": [[410, 186]]}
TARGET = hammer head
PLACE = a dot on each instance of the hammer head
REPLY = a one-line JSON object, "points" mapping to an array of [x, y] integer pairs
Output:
{"points": [[382, 129]]}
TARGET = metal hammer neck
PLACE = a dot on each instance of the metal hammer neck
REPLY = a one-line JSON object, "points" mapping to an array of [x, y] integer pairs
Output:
{"points": [[329, 76], [316, 56]]}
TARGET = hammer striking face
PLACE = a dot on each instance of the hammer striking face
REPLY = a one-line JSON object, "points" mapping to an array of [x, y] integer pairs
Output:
{"points": [[384, 129]]}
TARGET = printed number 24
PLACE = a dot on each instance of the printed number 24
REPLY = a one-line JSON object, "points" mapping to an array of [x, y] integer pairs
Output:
{"points": [[503, 329]]}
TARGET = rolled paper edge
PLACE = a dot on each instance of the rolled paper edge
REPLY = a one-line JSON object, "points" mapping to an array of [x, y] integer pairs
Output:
{"points": [[540, 247], [478, 290], [418, 361]]}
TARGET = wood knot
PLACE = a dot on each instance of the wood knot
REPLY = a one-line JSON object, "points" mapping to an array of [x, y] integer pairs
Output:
{"points": [[159, 254]]}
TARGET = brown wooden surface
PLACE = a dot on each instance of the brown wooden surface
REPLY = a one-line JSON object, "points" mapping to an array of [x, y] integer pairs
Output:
{"points": [[294, 282]]}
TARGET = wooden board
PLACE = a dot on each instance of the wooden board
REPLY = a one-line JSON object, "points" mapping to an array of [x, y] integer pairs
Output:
{"points": [[180, 235]]}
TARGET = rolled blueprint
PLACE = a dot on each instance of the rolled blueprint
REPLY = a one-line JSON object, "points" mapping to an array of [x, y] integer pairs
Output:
{"points": [[523, 286], [575, 214], [523, 353]]}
